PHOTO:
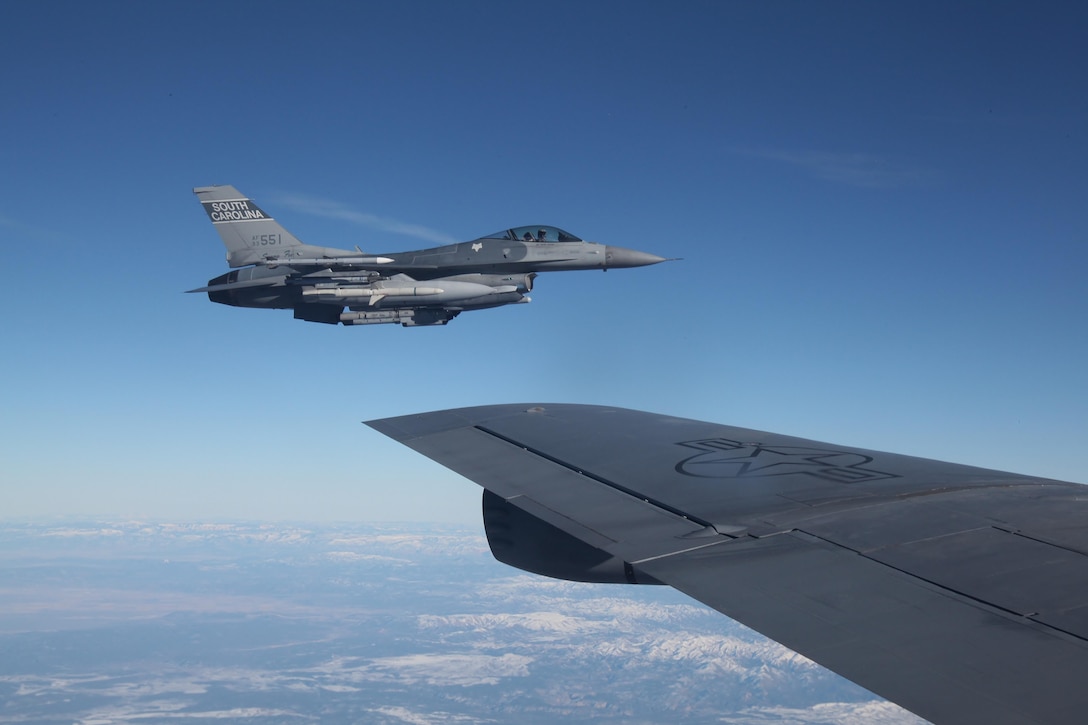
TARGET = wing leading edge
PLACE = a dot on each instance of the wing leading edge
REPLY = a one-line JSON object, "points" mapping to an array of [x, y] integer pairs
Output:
{"points": [[959, 593]]}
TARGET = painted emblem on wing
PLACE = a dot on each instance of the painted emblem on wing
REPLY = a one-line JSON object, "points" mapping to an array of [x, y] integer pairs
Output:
{"points": [[724, 458]]}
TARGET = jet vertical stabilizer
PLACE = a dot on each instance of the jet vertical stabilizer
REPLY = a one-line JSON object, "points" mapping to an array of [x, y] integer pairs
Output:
{"points": [[251, 235]]}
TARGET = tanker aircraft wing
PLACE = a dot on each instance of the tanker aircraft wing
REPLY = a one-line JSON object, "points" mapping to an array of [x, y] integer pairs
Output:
{"points": [[959, 593]]}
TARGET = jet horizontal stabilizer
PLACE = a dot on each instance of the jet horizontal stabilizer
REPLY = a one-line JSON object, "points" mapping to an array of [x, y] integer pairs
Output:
{"points": [[262, 282]]}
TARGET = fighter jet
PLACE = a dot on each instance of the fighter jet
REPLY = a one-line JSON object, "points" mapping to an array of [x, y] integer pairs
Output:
{"points": [[273, 269]]}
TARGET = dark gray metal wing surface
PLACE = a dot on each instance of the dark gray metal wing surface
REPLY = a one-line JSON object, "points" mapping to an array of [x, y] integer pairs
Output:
{"points": [[959, 593]]}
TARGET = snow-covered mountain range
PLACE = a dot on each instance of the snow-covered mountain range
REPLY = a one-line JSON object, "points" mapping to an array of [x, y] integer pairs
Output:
{"points": [[111, 622]]}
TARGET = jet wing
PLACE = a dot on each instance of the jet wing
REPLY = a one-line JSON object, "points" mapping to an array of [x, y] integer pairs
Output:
{"points": [[959, 593]]}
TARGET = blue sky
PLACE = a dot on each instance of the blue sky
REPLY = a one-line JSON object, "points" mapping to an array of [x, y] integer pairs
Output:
{"points": [[880, 209]]}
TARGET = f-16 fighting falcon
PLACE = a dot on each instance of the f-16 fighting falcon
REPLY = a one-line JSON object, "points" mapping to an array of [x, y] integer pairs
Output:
{"points": [[425, 287]]}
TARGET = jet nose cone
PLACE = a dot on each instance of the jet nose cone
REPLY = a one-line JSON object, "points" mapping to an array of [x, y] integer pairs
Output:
{"points": [[620, 257]]}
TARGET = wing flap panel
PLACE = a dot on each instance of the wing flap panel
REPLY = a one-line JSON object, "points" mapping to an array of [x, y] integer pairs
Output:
{"points": [[889, 523], [939, 655], [983, 562]]}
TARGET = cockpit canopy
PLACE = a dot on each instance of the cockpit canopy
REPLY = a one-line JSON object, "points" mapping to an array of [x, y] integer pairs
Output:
{"points": [[538, 233]]}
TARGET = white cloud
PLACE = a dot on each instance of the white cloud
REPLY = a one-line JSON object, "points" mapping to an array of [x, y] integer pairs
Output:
{"points": [[336, 210], [454, 669], [22, 228], [237, 713], [854, 169], [553, 622], [840, 713], [431, 718], [353, 556]]}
